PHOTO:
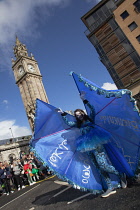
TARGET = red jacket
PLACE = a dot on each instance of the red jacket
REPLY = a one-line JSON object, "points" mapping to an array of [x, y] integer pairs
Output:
{"points": [[27, 168]]}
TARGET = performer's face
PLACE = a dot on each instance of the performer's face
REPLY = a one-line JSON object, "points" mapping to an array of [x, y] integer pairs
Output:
{"points": [[79, 115]]}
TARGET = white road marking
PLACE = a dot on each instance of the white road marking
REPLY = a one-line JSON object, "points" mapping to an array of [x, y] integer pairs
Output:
{"points": [[32, 208], [69, 186], [76, 199], [19, 197], [62, 191], [61, 182]]}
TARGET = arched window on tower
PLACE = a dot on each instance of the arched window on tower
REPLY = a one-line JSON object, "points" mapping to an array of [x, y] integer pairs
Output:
{"points": [[12, 157]]}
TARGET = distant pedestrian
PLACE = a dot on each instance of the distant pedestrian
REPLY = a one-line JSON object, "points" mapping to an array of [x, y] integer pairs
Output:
{"points": [[17, 175], [5, 176]]}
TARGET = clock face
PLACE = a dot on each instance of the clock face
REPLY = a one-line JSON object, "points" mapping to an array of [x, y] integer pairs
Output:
{"points": [[31, 68], [21, 70]]}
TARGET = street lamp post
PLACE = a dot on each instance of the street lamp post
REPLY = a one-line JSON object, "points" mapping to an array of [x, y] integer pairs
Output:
{"points": [[14, 141], [11, 132]]}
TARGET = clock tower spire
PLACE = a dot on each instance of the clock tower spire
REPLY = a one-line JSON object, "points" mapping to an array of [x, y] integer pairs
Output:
{"points": [[20, 49], [28, 79]]}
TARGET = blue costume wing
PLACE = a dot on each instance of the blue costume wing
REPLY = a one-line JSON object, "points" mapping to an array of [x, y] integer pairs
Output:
{"points": [[117, 113], [54, 144]]}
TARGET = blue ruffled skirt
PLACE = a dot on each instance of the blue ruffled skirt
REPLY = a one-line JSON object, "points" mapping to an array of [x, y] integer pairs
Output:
{"points": [[92, 139]]}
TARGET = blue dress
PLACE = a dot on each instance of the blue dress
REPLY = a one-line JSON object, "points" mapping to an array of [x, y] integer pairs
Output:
{"points": [[92, 136]]}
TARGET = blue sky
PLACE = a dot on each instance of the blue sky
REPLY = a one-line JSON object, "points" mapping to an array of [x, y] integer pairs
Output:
{"points": [[53, 31]]}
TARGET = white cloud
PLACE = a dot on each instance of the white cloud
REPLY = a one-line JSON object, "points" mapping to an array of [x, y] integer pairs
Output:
{"points": [[16, 131], [21, 18], [18, 15], [5, 102], [109, 86]]}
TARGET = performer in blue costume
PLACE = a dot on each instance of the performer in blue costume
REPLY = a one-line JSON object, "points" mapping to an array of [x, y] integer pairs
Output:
{"points": [[92, 141], [96, 146]]}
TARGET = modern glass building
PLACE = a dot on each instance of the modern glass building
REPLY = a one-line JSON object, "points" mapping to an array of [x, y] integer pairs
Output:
{"points": [[113, 27]]}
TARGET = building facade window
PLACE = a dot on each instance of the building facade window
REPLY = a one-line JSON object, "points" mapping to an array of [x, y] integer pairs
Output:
{"points": [[124, 15], [132, 26], [12, 157], [138, 38], [137, 6]]}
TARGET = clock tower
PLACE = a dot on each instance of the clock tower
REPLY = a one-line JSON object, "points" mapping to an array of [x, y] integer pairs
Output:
{"points": [[29, 80]]}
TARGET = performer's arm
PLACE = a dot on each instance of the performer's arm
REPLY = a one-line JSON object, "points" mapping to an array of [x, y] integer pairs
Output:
{"points": [[92, 110], [69, 123]]}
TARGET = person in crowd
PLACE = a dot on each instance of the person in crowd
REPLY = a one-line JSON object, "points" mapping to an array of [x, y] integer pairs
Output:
{"points": [[35, 173], [17, 174], [5, 176], [1, 184], [28, 171], [22, 155]]}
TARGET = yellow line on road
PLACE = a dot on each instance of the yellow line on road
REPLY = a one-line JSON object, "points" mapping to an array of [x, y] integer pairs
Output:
{"points": [[46, 179], [26, 191], [18, 197]]}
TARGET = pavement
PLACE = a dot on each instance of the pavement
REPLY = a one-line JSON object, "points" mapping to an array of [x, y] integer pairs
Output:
{"points": [[53, 194]]}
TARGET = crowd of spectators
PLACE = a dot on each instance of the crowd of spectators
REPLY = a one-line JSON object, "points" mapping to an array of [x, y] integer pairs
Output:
{"points": [[16, 175]]}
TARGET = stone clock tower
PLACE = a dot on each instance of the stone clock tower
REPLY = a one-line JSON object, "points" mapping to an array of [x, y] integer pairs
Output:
{"points": [[29, 80]]}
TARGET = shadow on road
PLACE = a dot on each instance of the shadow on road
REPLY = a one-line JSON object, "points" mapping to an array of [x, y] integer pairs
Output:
{"points": [[124, 199], [68, 195]]}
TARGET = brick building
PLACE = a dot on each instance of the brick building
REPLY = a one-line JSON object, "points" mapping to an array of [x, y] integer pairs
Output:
{"points": [[113, 27], [11, 148]]}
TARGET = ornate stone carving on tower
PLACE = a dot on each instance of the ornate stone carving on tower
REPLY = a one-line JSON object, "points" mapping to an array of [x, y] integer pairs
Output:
{"points": [[29, 80]]}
